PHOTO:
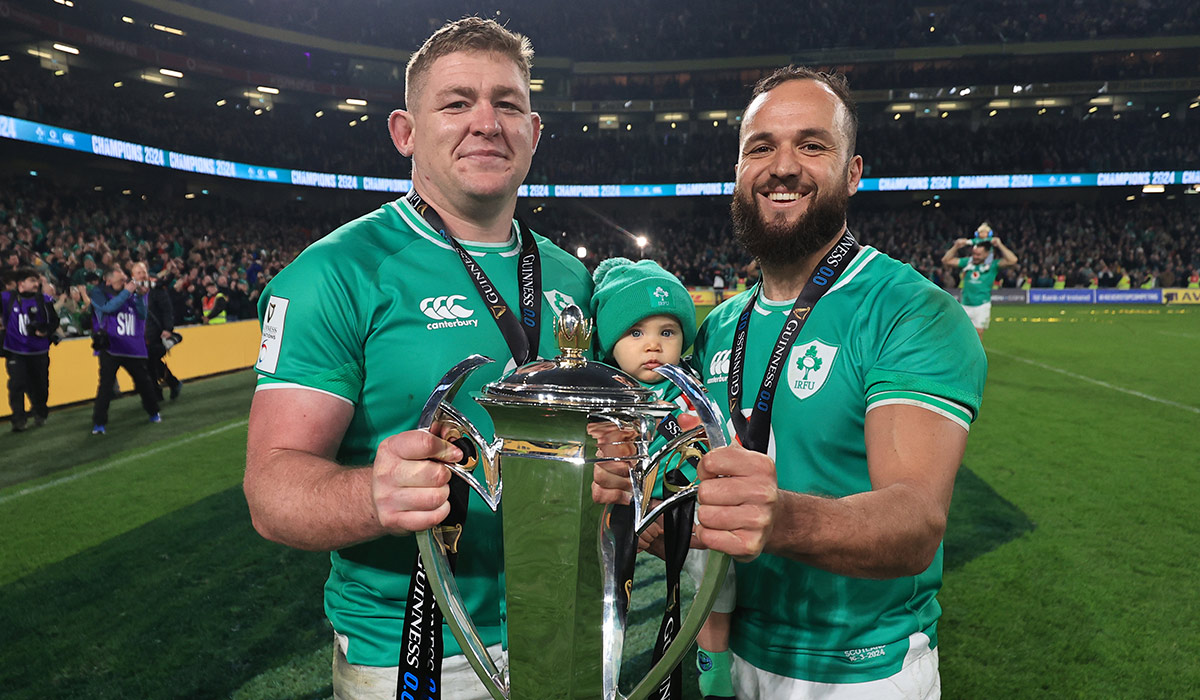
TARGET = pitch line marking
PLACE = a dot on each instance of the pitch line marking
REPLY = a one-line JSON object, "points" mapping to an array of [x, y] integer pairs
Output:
{"points": [[105, 466], [1097, 382]]}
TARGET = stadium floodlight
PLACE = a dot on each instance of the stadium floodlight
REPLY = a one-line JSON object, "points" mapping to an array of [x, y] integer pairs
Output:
{"points": [[168, 30], [127, 19], [320, 113], [1191, 106], [641, 241], [268, 89], [585, 128], [67, 49], [168, 95], [965, 91], [40, 54], [364, 117], [1165, 115], [581, 252], [356, 102], [222, 102], [992, 113], [5, 57], [896, 116], [170, 73], [119, 83], [1153, 189]]}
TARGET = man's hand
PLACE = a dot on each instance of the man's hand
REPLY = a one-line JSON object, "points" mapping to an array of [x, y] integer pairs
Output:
{"points": [[611, 479], [738, 499], [410, 481], [961, 242], [166, 334], [131, 286]]}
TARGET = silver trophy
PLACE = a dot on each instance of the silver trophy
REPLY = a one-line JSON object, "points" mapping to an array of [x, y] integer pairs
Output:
{"points": [[566, 614]]}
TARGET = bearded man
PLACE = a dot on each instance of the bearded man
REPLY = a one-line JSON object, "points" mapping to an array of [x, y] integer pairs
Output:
{"points": [[850, 381]]}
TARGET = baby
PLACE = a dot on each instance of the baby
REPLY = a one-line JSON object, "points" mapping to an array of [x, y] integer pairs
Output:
{"points": [[645, 319]]}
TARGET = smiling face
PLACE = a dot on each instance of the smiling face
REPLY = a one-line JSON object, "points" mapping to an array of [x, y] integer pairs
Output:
{"points": [[795, 172], [652, 342], [979, 253], [470, 133]]}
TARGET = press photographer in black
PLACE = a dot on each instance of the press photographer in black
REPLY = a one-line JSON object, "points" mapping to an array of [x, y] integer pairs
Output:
{"points": [[160, 328]]}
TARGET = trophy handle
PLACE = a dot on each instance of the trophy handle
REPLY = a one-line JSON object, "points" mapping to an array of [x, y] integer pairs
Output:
{"points": [[716, 567], [431, 543]]}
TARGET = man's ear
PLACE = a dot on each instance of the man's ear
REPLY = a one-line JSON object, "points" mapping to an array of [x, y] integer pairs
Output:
{"points": [[537, 129], [402, 130], [854, 171]]}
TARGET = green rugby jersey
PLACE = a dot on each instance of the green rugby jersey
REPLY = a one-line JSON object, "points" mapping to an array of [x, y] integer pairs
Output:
{"points": [[375, 313], [882, 335], [977, 281]]}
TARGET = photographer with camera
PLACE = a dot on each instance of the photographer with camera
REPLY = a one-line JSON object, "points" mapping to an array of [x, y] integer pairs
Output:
{"points": [[118, 337], [160, 329], [28, 321]]}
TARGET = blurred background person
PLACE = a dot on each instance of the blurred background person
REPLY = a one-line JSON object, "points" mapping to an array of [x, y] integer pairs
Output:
{"points": [[118, 333], [160, 327], [29, 320]]}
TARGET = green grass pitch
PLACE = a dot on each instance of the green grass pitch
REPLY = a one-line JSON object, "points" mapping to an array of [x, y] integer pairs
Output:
{"points": [[129, 569]]}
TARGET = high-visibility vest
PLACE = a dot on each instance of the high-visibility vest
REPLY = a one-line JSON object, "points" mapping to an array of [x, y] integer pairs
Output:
{"points": [[1124, 283], [1027, 284], [1149, 283], [1060, 282], [208, 303], [1094, 283], [1194, 282]]}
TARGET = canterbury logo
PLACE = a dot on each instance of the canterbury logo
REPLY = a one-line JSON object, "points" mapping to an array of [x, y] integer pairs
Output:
{"points": [[718, 367], [445, 307]]}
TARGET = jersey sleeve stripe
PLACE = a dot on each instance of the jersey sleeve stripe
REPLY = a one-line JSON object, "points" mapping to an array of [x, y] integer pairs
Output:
{"points": [[956, 419], [290, 385], [957, 412]]}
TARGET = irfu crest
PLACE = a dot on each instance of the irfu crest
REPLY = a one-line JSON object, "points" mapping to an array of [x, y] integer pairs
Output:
{"points": [[809, 365]]}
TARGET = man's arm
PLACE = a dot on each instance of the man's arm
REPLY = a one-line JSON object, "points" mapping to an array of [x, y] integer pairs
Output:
{"points": [[112, 305], [890, 531], [299, 496], [1007, 257], [950, 259]]}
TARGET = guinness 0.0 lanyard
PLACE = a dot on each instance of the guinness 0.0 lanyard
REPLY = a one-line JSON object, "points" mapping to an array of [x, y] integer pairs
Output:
{"points": [[755, 433], [522, 334], [420, 664]]}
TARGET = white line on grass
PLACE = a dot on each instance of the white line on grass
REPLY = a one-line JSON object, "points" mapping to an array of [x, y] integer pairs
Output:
{"points": [[1097, 382], [105, 466]]}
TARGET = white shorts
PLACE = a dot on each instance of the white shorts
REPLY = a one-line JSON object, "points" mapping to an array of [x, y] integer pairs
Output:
{"points": [[981, 316], [917, 679], [353, 682]]}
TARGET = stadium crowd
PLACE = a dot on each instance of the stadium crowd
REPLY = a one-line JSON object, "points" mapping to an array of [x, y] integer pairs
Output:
{"points": [[656, 153], [72, 236], [643, 30], [1154, 243]]}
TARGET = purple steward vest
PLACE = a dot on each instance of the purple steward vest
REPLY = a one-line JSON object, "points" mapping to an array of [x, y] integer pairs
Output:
{"points": [[126, 328], [20, 316]]}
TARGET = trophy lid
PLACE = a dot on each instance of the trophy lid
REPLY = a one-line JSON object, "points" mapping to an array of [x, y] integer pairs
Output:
{"points": [[571, 381]]}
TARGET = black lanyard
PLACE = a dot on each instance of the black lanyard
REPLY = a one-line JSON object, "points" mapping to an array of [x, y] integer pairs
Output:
{"points": [[420, 664], [522, 334], [755, 433]]}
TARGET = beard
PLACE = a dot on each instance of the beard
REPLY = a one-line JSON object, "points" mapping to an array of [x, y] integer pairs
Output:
{"points": [[779, 244]]}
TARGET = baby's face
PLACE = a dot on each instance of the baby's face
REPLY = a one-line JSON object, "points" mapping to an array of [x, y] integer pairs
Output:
{"points": [[649, 343]]}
